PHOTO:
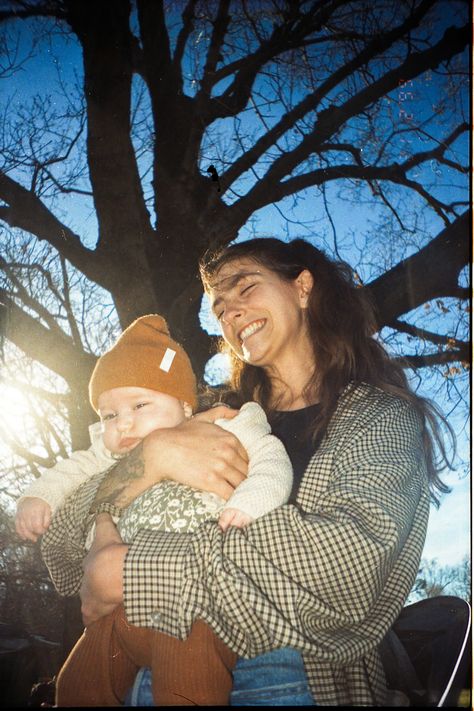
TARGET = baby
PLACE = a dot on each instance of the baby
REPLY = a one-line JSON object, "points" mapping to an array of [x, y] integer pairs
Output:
{"points": [[143, 383]]}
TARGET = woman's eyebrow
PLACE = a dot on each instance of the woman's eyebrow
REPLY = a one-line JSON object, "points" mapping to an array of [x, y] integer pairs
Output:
{"points": [[228, 283]]}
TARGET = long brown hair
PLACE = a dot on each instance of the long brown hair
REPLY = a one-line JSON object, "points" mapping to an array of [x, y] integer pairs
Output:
{"points": [[341, 326]]}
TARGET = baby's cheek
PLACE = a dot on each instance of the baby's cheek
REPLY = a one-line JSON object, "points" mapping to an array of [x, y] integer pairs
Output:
{"points": [[109, 439]]}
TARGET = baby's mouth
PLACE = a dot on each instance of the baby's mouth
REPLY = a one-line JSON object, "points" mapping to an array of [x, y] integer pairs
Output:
{"points": [[128, 442]]}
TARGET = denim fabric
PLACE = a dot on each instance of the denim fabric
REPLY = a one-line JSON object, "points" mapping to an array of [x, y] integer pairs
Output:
{"points": [[140, 694], [276, 678]]}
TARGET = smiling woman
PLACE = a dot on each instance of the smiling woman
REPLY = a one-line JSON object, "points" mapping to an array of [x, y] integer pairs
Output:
{"points": [[323, 577], [263, 321]]}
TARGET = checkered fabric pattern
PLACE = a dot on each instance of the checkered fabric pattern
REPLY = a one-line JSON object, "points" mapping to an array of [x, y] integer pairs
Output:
{"points": [[328, 576], [167, 506], [63, 545]]}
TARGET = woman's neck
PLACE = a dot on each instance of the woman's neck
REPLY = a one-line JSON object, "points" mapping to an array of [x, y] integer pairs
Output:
{"points": [[286, 401], [295, 391], [292, 376]]}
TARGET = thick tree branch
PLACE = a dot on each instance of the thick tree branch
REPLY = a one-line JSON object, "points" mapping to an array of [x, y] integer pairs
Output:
{"points": [[373, 49], [285, 36], [219, 29], [54, 351], [25, 210], [395, 173], [431, 273], [423, 334], [183, 36], [156, 43], [178, 128], [104, 32], [24, 10], [331, 120], [431, 359]]}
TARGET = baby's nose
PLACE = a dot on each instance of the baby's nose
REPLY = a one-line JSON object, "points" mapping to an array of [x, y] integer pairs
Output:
{"points": [[124, 422]]}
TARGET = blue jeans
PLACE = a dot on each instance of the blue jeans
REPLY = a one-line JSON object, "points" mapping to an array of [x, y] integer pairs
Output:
{"points": [[276, 678]]}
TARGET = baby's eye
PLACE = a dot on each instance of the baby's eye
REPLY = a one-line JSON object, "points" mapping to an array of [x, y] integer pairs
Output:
{"points": [[108, 416], [139, 405]]}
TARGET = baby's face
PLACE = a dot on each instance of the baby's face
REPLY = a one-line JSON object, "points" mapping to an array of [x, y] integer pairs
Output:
{"points": [[129, 414]]}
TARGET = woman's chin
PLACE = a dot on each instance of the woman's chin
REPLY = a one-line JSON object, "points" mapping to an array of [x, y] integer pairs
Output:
{"points": [[253, 357]]}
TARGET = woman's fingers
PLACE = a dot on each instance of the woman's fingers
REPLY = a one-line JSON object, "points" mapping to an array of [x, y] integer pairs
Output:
{"points": [[215, 413], [198, 454]]}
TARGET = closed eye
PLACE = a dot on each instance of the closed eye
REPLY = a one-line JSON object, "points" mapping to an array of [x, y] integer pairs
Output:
{"points": [[242, 287], [139, 405], [246, 288]]}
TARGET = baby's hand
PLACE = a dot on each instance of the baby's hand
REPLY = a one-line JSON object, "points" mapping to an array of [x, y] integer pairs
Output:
{"points": [[234, 517], [33, 516]]}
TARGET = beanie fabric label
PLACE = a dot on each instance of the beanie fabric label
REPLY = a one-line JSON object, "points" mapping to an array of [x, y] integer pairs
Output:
{"points": [[167, 359]]}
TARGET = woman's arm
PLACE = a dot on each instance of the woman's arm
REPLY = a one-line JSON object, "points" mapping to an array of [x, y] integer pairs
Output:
{"points": [[102, 587], [328, 581], [196, 453]]}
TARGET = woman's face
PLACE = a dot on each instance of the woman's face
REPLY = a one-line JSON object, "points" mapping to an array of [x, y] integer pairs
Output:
{"points": [[262, 316]]}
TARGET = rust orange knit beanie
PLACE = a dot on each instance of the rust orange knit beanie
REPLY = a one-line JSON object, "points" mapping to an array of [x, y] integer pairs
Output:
{"points": [[145, 356]]}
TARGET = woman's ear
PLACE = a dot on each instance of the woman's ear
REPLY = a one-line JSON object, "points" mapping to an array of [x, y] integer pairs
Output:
{"points": [[188, 410], [304, 281]]}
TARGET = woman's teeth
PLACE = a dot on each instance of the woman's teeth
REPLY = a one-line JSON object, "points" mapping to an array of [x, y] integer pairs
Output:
{"points": [[251, 329]]}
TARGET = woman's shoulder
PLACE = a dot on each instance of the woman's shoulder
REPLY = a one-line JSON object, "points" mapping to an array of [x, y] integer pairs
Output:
{"points": [[371, 396], [363, 404]]}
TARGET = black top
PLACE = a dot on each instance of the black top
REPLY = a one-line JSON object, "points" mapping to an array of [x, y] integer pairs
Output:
{"points": [[293, 429]]}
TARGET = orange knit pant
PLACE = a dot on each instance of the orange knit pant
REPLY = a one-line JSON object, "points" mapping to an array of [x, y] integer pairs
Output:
{"points": [[102, 666]]}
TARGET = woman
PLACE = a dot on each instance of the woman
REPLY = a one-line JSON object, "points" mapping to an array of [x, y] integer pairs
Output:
{"points": [[325, 576]]}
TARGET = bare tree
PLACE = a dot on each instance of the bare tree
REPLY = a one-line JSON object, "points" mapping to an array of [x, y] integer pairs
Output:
{"points": [[435, 579], [188, 118], [182, 122]]}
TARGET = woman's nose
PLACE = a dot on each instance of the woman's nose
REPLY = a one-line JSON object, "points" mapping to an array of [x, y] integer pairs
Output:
{"points": [[231, 312]]}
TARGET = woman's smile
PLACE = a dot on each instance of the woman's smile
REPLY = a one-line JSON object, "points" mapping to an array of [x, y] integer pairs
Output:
{"points": [[261, 315], [250, 329]]}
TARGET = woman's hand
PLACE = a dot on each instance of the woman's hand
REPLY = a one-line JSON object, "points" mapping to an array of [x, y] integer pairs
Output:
{"points": [[197, 453], [218, 411], [102, 584]]}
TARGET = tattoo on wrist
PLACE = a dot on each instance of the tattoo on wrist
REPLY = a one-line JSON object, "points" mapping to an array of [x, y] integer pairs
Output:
{"points": [[118, 477]]}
